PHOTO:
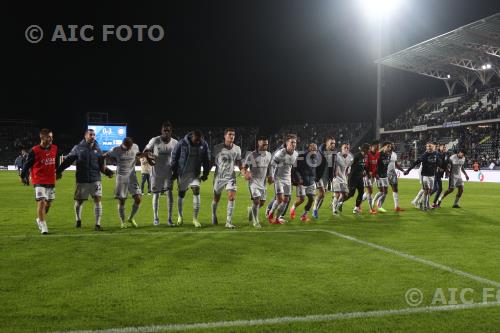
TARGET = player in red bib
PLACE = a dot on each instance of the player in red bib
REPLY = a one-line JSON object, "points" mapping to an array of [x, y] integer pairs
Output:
{"points": [[43, 160], [371, 168]]}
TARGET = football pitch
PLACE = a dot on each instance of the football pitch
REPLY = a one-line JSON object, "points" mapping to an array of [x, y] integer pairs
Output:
{"points": [[435, 271]]}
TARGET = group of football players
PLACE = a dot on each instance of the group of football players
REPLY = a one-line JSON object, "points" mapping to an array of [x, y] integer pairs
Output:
{"points": [[188, 162]]}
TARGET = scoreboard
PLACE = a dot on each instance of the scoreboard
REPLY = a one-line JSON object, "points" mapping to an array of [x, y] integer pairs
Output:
{"points": [[109, 136]]}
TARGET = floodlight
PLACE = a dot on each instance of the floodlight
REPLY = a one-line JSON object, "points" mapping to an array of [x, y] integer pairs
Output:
{"points": [[379, 8]]}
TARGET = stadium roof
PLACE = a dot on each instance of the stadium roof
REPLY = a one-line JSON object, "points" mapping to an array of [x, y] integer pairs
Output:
{"points": [[463, 55]]}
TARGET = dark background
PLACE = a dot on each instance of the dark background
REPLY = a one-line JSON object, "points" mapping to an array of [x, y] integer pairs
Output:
{"points": [[221, 63]]}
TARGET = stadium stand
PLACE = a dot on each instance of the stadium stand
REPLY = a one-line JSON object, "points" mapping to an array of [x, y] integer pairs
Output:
{"points": [[470, 121], [246, 136], [11, 141], [476, 106], [351, 133]]}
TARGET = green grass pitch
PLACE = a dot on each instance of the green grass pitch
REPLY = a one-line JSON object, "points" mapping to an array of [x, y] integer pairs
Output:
{"points": [[75, 280]]}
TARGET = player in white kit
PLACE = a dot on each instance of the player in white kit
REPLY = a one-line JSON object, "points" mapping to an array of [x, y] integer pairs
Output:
{"points": [[393, 177], [456, 165], [226, 156], [343, 163], [418, 198], [271, 203], [126, 156], [159, 152], [256, 168], [281, 170]]}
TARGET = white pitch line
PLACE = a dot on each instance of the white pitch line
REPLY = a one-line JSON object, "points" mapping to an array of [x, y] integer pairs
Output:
{"points": [[331, 232], [311, 318], [285, 320], [416, 259]]}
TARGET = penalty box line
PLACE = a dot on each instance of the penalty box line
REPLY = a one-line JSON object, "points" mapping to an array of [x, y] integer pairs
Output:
{"points": [[310, 318], [287, 320], [416, 259]]}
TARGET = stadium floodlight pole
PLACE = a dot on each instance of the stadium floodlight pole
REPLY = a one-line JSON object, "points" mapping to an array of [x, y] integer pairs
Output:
{"points": [[379, 10], [378, 120], [415, 143]]}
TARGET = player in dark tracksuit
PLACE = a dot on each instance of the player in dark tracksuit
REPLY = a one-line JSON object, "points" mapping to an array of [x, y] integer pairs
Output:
{"points": [[310, 166], [443, 159], [429, 161], [382, 177], [355, 180]]}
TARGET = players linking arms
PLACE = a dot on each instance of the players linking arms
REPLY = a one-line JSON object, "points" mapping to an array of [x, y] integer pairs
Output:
{"points": [[310, 167], [393, 177], [126, 156], [226, 155], [357, 175], [281, 170], [89, 165], [382, 176], [343, 162], [441, 170], [429, 160], [256, 168], [455, 166], [158, 152], [190, 154]]}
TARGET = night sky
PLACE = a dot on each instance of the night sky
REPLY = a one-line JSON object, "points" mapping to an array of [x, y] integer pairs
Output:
{"points": [[221, 62]]}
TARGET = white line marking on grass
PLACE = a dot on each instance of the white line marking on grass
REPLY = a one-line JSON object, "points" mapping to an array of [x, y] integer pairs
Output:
{"points": [[331, 232], [414, 258], [285, 320]]}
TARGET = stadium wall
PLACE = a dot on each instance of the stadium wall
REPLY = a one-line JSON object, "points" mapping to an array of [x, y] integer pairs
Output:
{"points": [[484, 176], [422, 128]]}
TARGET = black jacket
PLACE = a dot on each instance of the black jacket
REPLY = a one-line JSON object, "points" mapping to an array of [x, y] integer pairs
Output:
{"points": [[309, 168]]}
